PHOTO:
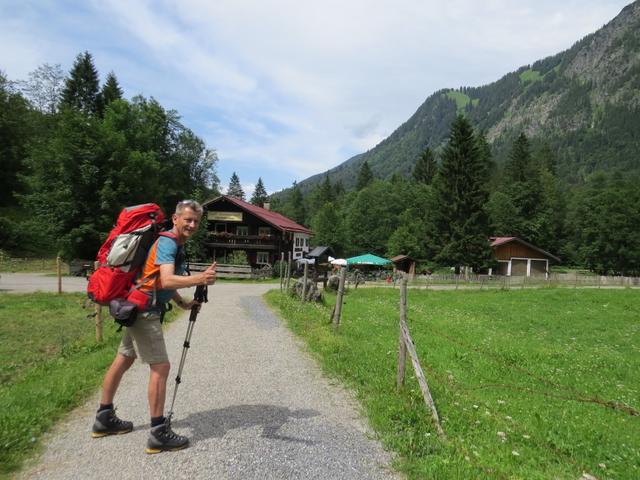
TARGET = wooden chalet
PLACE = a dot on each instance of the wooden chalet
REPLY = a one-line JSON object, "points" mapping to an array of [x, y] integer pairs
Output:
{"points": [[264, 235], [519, 258]]}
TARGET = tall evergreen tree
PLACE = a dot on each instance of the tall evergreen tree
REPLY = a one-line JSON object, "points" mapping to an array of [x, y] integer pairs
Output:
{"points": [[425, 168], [519, 166], [461, 195], [365, 176], [14, 137], [82, 87], [235, 189], [296, 208], [111, 90], [259, 194]]}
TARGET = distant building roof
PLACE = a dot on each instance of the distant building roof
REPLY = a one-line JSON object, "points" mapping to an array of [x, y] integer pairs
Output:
{"points": [[276, 219], [400, 258], [497, 241], [319, 251]]}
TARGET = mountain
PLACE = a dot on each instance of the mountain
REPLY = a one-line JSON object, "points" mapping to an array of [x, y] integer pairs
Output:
{"points": [[583, 102]]}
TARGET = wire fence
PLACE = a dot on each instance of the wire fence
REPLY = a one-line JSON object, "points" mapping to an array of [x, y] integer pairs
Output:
{"points": [[575, 280]]}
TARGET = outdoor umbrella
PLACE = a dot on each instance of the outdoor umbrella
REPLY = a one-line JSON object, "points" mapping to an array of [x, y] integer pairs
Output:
{"points": [[368, 259]]}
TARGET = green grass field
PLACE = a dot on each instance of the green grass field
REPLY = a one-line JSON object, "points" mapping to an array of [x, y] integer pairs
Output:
{"points": [[539, 383], [49, 364]]}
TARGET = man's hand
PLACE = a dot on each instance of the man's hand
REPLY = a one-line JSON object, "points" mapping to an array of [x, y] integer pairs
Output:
{"points": [[208, 277], [188, 305]]}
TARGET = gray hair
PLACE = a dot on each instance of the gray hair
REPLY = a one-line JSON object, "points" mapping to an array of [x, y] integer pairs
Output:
{"points": [[192, 204]]}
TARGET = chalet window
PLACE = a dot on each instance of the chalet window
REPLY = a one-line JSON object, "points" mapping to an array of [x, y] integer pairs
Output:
{"points": [[264, 231], [221, 227], [306, 242], [242, 230], [262, 258]]}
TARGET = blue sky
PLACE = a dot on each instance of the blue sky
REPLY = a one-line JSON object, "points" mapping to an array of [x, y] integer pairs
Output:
{"points": [[285, 89]]}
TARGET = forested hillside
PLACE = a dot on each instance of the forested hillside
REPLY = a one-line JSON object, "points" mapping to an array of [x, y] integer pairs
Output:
{"points": [[559, 150], [584, 103], [74, 152]]}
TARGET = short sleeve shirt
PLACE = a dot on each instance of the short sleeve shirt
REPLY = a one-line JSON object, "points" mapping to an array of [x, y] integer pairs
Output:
{"points": [[164, 250]]}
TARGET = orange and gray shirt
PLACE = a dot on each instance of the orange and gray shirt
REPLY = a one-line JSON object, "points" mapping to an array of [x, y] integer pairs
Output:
{"points": [[164, 250]]}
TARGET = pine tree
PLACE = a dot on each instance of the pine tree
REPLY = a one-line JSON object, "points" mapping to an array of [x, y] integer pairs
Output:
{"points": [[296, 205], [235, 189], [425, 168], [518, 167], [461, 195], [365, 176], [259, 194], [111, 90], [82, 87]]}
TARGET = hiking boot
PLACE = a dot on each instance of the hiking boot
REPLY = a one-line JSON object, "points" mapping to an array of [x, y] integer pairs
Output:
{"points": [[163, 439], [108, 423]]}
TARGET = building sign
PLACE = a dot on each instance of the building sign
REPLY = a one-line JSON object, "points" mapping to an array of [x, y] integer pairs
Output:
{"points": [[225, 216]]}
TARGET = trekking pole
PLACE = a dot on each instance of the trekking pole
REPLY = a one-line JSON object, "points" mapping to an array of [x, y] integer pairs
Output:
{"points": [[201, 297]]}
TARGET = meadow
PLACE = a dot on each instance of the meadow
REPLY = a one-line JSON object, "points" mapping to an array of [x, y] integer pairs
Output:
{"points": [[537, 383], [49, 364]]}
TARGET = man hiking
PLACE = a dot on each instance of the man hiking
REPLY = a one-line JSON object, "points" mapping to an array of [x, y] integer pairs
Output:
{"points": [[161, 276]]}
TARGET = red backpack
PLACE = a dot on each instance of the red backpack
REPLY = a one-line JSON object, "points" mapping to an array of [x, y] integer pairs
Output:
{"points": [[124, 252]]}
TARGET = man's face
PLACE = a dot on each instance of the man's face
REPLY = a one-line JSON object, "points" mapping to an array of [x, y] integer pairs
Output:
{"points": [[186, 224]]}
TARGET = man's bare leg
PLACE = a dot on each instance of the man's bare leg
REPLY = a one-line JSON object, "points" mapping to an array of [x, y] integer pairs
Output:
{"points": [[112, 379]]}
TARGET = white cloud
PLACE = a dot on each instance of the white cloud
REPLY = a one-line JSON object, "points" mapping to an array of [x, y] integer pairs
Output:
{"points": [[285, 89]]}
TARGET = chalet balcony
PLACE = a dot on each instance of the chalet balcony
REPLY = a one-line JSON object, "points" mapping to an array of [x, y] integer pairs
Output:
{"points": [[227, 240]]}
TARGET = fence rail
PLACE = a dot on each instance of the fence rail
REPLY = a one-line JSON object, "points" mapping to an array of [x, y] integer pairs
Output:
{"points": [[500, 281]]}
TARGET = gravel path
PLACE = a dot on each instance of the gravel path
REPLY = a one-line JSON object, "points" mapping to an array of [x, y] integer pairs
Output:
{"points": [[31, 282], [254, 405]]}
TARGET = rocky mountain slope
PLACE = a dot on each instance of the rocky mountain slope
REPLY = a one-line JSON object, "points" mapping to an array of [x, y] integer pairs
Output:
{"points": [[583, 102]]}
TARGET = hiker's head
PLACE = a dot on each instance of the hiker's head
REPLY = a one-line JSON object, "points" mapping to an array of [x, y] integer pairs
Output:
{"points": [[192, 204], [186, 219]]}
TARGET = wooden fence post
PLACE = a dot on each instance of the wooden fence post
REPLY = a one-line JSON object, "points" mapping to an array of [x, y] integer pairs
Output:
{"points": [[98, 312], [59, 273], [288, 272], [304, 284], [402, 347], [405, 337], [338, 310], [281, 269]]}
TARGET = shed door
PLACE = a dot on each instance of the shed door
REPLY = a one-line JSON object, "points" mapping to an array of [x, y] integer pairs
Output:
{"points": [[538, 268], [518, 268]]}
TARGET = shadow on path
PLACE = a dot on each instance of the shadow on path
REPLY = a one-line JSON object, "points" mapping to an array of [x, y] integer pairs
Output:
{"points": [[216, 423]]}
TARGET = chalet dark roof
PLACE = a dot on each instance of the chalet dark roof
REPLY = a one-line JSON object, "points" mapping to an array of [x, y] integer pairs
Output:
{"points": [[497, 241], [273, 218], [319, 251]]}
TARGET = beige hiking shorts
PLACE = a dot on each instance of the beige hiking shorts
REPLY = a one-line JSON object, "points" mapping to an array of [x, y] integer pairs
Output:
{"points": [[144, 339]]}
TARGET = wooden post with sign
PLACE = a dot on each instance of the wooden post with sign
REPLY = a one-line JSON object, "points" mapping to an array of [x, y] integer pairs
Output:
{"points": [[406, 339], [338, 310]]}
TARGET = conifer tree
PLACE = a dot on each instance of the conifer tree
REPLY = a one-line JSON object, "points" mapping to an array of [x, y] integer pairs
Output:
{"points": [[365, 176], [82, 86], [259, 194], [111, 90], [235, 189], [518, 167], [296, 205], [425, 168], [461, 195]]}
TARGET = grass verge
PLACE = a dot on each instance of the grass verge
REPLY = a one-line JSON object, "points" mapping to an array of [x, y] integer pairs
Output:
{"points": [[529, 384], [49, 364]]}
